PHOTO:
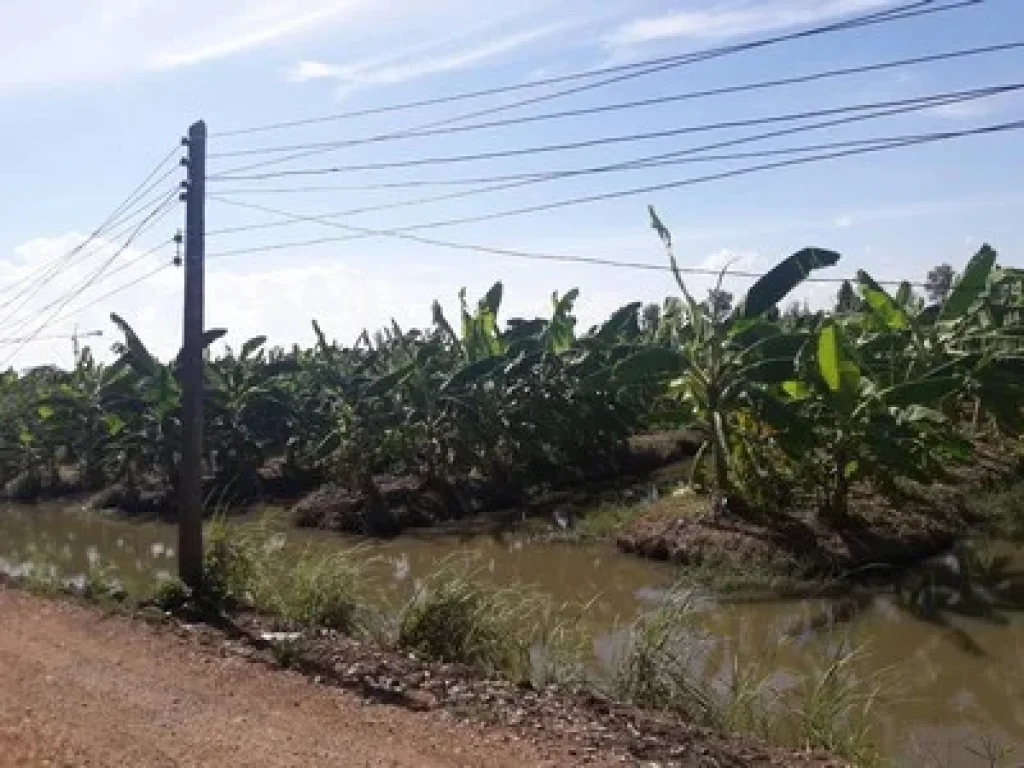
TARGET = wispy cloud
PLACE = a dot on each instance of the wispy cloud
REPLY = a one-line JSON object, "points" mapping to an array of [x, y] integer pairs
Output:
{"points": [[733, 20], [250, 33], [67, 42], [965, 110], [406, 67]]}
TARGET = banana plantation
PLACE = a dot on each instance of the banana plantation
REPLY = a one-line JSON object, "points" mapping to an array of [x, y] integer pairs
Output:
{"points": [[791, 408]]}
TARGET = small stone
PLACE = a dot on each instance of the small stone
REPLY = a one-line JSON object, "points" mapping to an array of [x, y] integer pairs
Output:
{"points": [[420, 701]]}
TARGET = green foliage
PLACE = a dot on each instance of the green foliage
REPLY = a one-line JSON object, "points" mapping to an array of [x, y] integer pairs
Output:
{"points": [[789, 403], [457, 615], [315, 589], [725, 369], [172, 594], [229, 565]]}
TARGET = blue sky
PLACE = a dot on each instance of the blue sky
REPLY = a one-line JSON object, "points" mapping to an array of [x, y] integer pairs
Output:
{"points": [[93, 94]]}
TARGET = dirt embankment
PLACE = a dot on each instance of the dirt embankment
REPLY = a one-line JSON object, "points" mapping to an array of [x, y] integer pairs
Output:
{"points": [[80, 688], [897, 527]]}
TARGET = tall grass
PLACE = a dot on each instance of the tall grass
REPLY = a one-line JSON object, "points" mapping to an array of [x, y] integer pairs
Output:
{"points": [[665, 663], [299, 589], [835, 706], [457, 614], [660, 663]]}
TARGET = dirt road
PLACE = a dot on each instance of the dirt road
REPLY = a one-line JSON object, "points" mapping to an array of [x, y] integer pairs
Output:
{"points": [[78, 688]]}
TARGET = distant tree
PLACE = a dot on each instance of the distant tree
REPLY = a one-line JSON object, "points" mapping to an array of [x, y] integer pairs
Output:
{"points": [[847, 299], [650, 318], [719, 303], [796, 310], [939, 283]]}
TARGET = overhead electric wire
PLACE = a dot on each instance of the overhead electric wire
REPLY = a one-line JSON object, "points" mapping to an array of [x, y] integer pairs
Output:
{"points": [[917, 102], [39, 277], [120, 289], [911, 10], [61, 302], [654, 101], [116, 225], [55, 337], [406, 233], [677, 157], [19, 301], [519, 180], [158, 213]]}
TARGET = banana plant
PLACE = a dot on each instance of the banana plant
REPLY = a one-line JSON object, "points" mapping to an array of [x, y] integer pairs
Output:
{"points": [[854, 427], [717, 365]]}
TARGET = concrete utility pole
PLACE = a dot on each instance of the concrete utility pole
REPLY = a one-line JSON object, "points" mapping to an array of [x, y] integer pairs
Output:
{"points": [[190, 488]]}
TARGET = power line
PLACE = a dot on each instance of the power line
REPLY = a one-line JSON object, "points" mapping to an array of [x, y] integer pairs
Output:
{"points": [[893, 144], [911, 10], [121, 288], [124, 212], [16, 303], [677, 157], [655, 101], [689, 155], [405, 234], [540, 256], [150, 220], [917, 102], [23, 299], [520, 180], [55, 337], [116, 227], [907, 11]]}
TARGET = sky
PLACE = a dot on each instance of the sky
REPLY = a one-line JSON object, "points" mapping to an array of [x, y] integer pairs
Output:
{"points": [[93, 94]]}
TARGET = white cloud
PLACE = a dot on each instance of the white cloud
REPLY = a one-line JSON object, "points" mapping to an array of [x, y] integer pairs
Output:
{"points": [[68, 42], [732, 20], [844, 221], [246, 32], [407, 67], [727, 259], [305, 71]]}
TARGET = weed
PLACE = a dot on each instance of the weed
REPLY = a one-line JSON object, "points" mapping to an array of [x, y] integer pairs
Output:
{"points": [[317, 589], [288, 652], [835, 707], [1004, 509], [456, 615], [659, 664], [99, 581], [41, 578], [606, 520], [228, 564], [172, 595], [665, 663]]}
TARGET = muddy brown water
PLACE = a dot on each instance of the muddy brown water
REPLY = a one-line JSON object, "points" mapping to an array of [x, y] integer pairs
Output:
{"points": [[956, 672]]}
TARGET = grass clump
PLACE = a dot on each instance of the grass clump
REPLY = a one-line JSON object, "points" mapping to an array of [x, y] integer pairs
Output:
{"points": [[40, 578], [308, 588], [665, 663], [315, 589], [172, 595], [607, 520], [230, 561], [835, 707], [1004, 509], [457, 615], [659, 665]]}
